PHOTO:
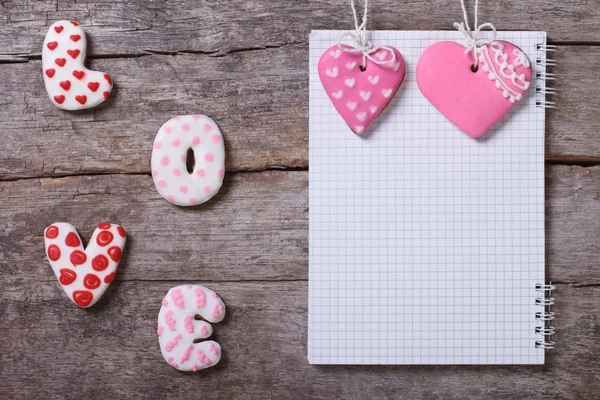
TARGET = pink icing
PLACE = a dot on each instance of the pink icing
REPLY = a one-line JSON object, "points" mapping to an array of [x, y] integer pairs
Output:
{"points": [[172, 362], [203, 358], [195, 367], [470, 100], [170, 320], [173, 342], [186, 354], [200, 298], [217, 310], [204, 331], [177, 297], [165, 302], [359, 96], [214, 349], [160, 330], [187, 322]]}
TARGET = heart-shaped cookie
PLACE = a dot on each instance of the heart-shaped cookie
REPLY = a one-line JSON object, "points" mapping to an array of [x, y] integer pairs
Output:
{"points": [[358, 95], [473, 101], [84, 274], [70, 85]]}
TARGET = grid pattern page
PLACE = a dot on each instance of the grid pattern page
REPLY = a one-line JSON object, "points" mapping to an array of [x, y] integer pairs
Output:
{"points": [[425, 245]]}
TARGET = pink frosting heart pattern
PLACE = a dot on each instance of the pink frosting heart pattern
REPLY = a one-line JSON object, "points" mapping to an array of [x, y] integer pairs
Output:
{"points": [[473, 101], [360, 96]]}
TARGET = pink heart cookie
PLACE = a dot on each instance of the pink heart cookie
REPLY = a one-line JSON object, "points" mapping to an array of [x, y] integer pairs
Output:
{"points": [[360, 96], [70, 85], [473, 101], [84, 274]]}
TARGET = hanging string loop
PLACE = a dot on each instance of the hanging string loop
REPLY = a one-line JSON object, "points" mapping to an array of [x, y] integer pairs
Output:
{"points": [[472, 37], [361, 44]]}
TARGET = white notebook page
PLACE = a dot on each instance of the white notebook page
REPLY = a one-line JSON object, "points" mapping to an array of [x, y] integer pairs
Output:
{"points": [[425, 245]]}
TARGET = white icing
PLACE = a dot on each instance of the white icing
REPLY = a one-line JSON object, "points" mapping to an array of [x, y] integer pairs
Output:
{"points": [[499, 70], [350, 82], [338, 95], [92, 277], [374, 80], [386, 93], [365, 95], [169, 172], [332, 73], [351, 65], [70, 85], [178, 328]]}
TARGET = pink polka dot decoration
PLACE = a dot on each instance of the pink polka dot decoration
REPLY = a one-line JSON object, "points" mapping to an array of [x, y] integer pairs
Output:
{"points": [[171, 150]]}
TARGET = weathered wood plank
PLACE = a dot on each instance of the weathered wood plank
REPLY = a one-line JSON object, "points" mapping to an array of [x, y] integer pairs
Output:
{"points": [[136, 27], [572, 128], [52, 349], [258, 98], [572, 226], [256, 228]]}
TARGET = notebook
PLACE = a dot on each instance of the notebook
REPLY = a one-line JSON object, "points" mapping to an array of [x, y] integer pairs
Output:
{"points": [[427, 246]]}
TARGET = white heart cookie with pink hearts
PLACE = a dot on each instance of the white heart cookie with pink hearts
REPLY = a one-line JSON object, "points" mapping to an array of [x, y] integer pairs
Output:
{"points": [[70, 85], [360, 94], [84, 274], [473, 101], [184, 326], [183, 181]]}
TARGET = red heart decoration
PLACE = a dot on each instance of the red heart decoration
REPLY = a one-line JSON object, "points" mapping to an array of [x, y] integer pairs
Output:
{"points": [[78, 74], [59, 99], [73, 53], [60, 62], [81, 99], [84, 274], [50, 72], [66, 85], [59, 28], [75, 38], [93, 86], [52, 45]]}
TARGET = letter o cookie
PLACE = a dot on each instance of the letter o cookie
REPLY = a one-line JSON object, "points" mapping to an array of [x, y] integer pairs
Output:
{"points": [[185, 316], [171, 177]]}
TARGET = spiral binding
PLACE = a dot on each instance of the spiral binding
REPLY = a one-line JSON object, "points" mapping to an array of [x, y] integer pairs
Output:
{"points": [[546, 316], [544, 91]]}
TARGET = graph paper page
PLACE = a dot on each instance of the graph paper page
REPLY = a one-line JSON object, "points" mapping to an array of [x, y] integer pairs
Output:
{"points": [[425, 245]]}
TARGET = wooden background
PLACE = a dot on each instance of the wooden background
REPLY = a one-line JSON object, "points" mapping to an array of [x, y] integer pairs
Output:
{"points": [[245, 64]]}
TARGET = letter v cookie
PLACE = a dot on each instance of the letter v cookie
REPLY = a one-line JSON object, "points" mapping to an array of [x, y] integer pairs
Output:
{"points": [[84, 274], [70, 85]]}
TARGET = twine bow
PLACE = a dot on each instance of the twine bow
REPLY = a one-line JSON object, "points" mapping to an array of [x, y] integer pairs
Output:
{"points": [[361, 44]]}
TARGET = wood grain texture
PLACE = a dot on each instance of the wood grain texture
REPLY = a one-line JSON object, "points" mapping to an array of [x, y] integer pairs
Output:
{"points": [[258, 98], [140, 26], [255, 229], [572, 128], [244, 64], [111, 351]]}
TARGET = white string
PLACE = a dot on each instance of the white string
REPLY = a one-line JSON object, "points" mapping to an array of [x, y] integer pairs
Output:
{"points": [[361, 44], [472, 37]]}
